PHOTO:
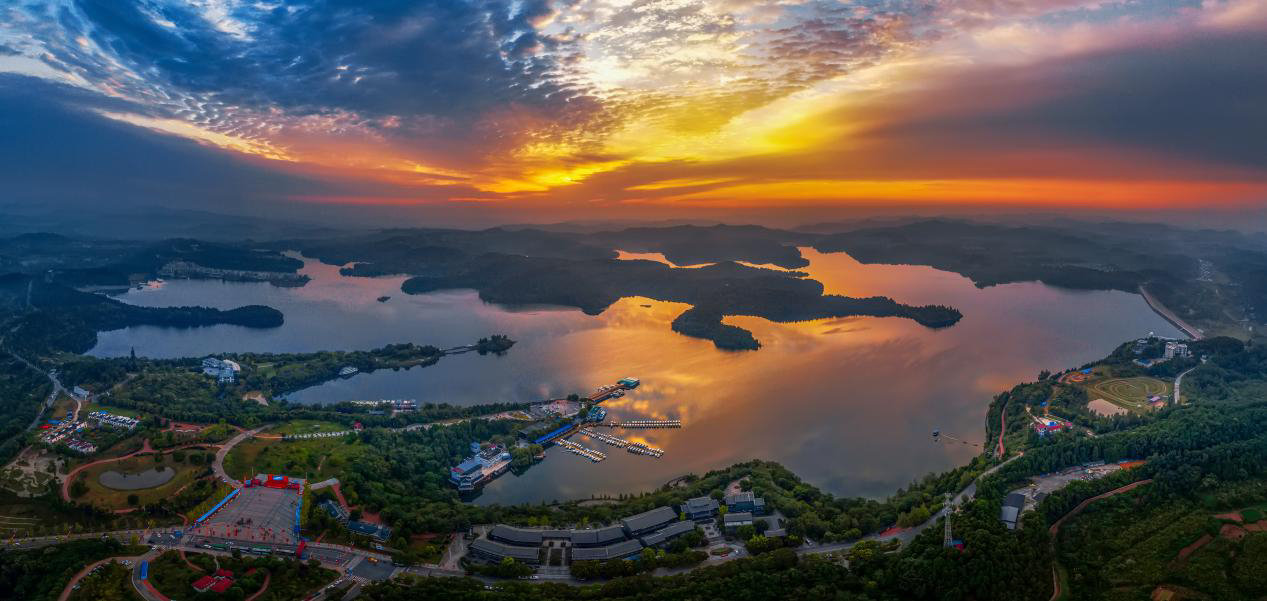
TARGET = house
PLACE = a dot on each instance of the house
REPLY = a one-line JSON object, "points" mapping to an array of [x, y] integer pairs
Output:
{"points": [[700, 509], [80, 392], [224, 370], [375, 531], [203, 584], [1011, 512], [648, 521], [734, 521], [745, 501]]}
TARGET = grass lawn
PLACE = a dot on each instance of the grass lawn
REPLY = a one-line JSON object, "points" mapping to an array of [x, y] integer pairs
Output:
{"points": [[315, 459], [1129, 393], [308, 426], [108, 498]]}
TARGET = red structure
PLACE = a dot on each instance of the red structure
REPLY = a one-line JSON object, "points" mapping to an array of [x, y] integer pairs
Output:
{"points": [[276, 481], [203, 584]]}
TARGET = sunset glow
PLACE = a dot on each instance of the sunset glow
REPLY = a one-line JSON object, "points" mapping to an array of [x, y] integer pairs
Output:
{"points": [[615, 103]]}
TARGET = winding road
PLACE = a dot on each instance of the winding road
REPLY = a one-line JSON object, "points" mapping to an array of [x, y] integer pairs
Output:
{"points": [[218, 464]]}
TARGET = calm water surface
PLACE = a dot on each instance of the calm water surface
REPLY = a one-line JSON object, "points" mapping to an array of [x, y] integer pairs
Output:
{"points": [[847, 403]]}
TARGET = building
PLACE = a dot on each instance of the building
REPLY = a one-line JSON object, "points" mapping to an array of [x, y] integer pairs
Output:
{"points": [[667, 534], [734, 521], [80, 392], [700, 509], [217, 583], [335, 510], [598, 537], [203, 584], [745, 501], [648, 521], [1176, 349], [622, 550], [493, 551], [629, 382], [1011, 512], [511, 535], [377, 532], [482, 466], [223, 370]]}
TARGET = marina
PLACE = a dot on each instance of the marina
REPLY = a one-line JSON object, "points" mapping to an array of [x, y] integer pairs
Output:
{"points": [[646, 423], [585, 452], [638, 448], [619, 443]]}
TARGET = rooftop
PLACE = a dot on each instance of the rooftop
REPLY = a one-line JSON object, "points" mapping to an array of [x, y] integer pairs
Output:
{"points": [[672, 530], [616, 551], [648, 520], [497, 549], [597, 537], [515, 536]]}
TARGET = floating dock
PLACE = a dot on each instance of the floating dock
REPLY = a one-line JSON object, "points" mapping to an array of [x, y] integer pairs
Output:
{"points": [[638, 448], [619, 443], [646, 423], [585, 452]]}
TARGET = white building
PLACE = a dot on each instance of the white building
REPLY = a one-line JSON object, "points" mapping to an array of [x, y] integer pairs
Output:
{"points": [[224, 370]]}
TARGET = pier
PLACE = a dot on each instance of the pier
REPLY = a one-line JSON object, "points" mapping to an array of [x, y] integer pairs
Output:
{"points": [[646, 423], [638, 448], [585, 452], [619, 443]]}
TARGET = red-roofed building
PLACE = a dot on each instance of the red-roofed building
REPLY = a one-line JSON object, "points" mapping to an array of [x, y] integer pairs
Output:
{"points": [[223, 573], [204, 584], [222, 584]]}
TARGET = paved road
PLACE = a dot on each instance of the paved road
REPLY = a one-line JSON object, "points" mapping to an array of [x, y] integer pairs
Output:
{"points": [[218, 464], [1179, 382]]}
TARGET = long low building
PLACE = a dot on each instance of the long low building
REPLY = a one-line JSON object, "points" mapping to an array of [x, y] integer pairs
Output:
{"points": [[621, 550], [598, 537], [494, 551], [648, 521], [516, 536]]}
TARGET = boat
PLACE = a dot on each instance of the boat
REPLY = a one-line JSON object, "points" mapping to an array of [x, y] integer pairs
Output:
{"points": [[348, 371], [383, 299]]}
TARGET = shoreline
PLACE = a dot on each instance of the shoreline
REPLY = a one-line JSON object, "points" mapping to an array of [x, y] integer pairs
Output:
{"points": [[1189, 330]]}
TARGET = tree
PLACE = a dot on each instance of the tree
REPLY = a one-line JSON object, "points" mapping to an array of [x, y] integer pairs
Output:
{"points": [[133, 499]]}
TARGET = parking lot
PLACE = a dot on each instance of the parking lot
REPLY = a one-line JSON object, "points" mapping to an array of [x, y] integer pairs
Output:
{"points": [[258, 514]]}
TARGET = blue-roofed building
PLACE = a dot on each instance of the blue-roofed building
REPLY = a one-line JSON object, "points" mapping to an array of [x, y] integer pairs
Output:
{"points": [[548, 438], [700, 509], [745, 502], [479, 468]]}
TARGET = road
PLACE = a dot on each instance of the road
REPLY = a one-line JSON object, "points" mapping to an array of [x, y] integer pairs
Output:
{"points": [[1170, 316], [1055, 529], [218, 464], [909, 534], [1178, 382]]}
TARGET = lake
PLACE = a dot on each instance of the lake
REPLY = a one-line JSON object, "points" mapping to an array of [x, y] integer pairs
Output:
{"points": [[847, 403]]}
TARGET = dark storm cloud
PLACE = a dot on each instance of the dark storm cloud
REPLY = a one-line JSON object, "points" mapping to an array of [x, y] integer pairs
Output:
{"points": [[1199, 98]]}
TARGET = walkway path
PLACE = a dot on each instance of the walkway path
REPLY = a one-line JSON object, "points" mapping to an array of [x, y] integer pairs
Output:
{"points": [[145, 449], [1179, 382]]}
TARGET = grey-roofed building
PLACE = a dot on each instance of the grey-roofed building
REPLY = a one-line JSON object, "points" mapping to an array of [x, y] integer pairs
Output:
{"points": [[737, 520], [598, 537], [515, 536], [490, 550], [648, 521], [620, 550], [700, 508], [1012, 508], [745, 501], [667, 533], [564, 534], [375, 531]]}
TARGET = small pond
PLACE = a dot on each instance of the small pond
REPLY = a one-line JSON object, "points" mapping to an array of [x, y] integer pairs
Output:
{"points": [[136, 481]]}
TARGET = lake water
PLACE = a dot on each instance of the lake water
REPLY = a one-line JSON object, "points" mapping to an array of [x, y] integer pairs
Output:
{"points": [[847, 403]]}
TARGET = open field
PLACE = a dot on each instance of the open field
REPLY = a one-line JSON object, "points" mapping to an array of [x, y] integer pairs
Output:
{"points": [[1129, 393], [110, 498], [308, 426], [314, 459]]}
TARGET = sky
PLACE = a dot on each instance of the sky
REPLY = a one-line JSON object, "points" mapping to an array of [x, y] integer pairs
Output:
{"points": [[540, 110]]}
